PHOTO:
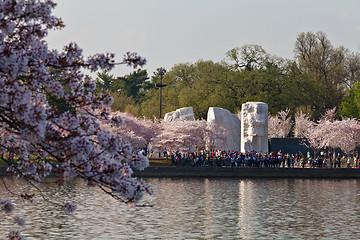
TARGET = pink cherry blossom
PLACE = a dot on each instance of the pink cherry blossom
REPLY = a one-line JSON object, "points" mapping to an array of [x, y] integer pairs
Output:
{"points": [[48, 109], [6, 206]]}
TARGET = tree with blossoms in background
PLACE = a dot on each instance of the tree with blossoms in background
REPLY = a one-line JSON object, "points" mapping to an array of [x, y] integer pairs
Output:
{"points": [[48, 108], [315, 133], [280, 124], [329, 132], [302, 124], [136, 133], [186, 136], [136, 130], [343, 134], [350, 139]]}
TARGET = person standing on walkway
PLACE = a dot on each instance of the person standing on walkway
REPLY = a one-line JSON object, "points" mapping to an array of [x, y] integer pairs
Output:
{"points": [[355, 162]]}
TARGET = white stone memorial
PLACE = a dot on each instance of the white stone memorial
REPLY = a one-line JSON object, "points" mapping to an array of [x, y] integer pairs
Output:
{"points": [[231, 123], [186, 113], [254, 127]]}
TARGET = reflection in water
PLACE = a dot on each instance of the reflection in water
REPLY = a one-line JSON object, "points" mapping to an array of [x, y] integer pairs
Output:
{"points": [[198, 209]]}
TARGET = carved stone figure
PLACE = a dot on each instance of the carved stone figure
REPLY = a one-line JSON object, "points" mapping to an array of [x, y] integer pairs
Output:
{"points": [[231, 122], [186, 113], [254, 127]]}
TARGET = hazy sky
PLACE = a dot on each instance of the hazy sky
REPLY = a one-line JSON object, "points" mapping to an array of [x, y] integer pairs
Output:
{"points": [[169, 32]]}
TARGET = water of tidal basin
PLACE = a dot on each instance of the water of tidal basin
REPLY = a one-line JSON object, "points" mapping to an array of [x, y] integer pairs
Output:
{"points": [[200, 209]]}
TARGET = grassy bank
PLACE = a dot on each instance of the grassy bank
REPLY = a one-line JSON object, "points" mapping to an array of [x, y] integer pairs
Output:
{"points": [[159, 162]]}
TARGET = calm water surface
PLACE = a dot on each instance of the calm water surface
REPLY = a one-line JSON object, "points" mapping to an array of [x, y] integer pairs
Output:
{"points": [[199, 209]]}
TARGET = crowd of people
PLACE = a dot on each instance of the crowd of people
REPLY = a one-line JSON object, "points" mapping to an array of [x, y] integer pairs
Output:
{"points": [[217, 158]]}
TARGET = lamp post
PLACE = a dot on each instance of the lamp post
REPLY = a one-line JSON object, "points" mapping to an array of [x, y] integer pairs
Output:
{"points": [[161, 71]]}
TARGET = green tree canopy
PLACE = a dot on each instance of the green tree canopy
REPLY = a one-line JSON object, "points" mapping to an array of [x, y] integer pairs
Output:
{"points": [[206, 84], [315, 81], [105, 81], [350, 107], [133, 85], [324, 63]]}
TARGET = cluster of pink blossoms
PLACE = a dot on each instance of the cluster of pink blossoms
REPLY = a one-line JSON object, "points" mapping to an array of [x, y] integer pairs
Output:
{"points": [[15, 235], [184, 136], [7, 206]]}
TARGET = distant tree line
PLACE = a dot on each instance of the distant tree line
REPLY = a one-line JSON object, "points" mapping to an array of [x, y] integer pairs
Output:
{"points": [[320, 77]]}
